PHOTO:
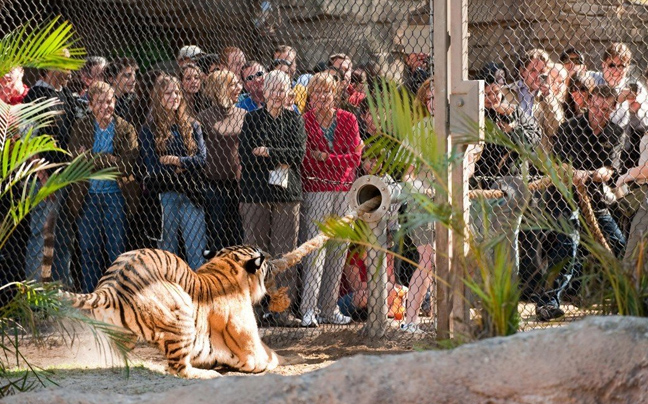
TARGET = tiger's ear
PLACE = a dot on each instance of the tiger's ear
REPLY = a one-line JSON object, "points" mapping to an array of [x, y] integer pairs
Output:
{"points": [[209, 254], [254, 264]]}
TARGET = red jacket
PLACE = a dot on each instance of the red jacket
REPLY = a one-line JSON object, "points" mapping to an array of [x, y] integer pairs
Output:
{"points": [[339, 169]]}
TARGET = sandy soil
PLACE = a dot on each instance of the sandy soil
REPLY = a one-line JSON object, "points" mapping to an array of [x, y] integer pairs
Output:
{"points": [[86, 364]]}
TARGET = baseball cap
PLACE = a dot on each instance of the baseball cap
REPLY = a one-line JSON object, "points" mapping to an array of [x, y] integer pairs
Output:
{"points": [[189, 51]]}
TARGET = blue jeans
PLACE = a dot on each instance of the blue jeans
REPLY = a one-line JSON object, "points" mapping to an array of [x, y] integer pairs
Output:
{"points": [[102, 223], [179, 213], [564, 252], [63, 235], [224, 224]]}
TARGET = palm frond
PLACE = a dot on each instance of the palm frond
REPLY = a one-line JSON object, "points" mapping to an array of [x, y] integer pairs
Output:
{"points": [[16, 119], [41, 48], [405, 138], [35, 304], [78, 170], [21, 151]]}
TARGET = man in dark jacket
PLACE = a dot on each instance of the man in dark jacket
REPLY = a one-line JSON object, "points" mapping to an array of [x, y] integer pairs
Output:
{"points": [[121, 74], [52, 84], [592, 144]]}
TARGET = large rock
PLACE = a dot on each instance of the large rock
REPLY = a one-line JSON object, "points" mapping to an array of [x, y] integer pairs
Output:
{"points": [[598, 360]]}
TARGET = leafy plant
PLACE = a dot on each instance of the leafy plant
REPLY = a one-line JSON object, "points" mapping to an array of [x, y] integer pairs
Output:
{"points": [[408, 139], [43, 47], [36, 307], [496, 289], [488, 269], [625, 285]]}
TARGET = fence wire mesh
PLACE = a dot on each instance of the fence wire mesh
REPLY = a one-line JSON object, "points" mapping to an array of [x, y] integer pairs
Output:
{"points": [[243, 122]]}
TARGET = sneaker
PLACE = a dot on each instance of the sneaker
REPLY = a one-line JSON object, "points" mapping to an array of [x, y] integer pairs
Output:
{"points": [[411, 328], [337, 318], [309, 319], [548, 312]]}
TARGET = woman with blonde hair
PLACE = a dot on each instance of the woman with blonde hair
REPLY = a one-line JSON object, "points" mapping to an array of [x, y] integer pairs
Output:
{"points": [[333, 152], [421, 181], [222, 124], [173, 152]]}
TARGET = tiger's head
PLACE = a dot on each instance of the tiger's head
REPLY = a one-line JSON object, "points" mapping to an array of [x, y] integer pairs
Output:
{"points": [[254, 262]]}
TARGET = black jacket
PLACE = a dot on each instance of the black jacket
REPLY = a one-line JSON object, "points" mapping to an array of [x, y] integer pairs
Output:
{"points": [[285, 139], [496, 160], [70, 109]]}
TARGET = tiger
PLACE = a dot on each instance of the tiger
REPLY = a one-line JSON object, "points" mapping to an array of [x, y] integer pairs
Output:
{"points": [[197, 319]]}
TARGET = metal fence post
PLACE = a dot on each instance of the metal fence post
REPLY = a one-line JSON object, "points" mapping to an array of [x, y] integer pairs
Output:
{"points": [[377, 322], [441, 42]]}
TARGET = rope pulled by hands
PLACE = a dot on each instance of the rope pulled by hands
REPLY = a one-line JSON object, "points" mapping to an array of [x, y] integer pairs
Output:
{"points": [[584, 202]]}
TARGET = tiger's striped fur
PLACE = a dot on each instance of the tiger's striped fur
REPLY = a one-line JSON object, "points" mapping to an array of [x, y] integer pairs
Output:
{"points": [[198, 319]]}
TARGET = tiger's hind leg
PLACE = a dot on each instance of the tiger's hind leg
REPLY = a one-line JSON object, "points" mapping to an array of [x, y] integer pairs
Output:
{"points": [[127, 341]]}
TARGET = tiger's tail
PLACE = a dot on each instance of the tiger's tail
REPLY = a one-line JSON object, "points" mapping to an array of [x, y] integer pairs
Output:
{"points": [[89, 301], [48, 247]]}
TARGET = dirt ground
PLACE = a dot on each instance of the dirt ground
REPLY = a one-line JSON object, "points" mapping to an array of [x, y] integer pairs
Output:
{"points": [[88, 365], [85, 363]]}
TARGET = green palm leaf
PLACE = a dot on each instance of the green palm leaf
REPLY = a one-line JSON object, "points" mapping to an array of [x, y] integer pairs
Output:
{"points": [[80, 169], [41, 48], [15, 119], [17, 154], [20, 166]]}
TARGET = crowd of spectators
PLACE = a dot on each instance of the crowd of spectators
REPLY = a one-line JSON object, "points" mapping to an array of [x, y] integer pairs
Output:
{"points": [[226, 150], [592, 120]]}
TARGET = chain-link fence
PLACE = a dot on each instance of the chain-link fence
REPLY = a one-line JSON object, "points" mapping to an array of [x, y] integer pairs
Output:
{"points": [[577, 70], [244, 122]]}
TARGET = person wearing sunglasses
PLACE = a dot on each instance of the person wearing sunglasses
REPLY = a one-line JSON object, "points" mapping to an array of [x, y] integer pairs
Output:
{"points": [[253, 76], [285, 56], [615, 67]]}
